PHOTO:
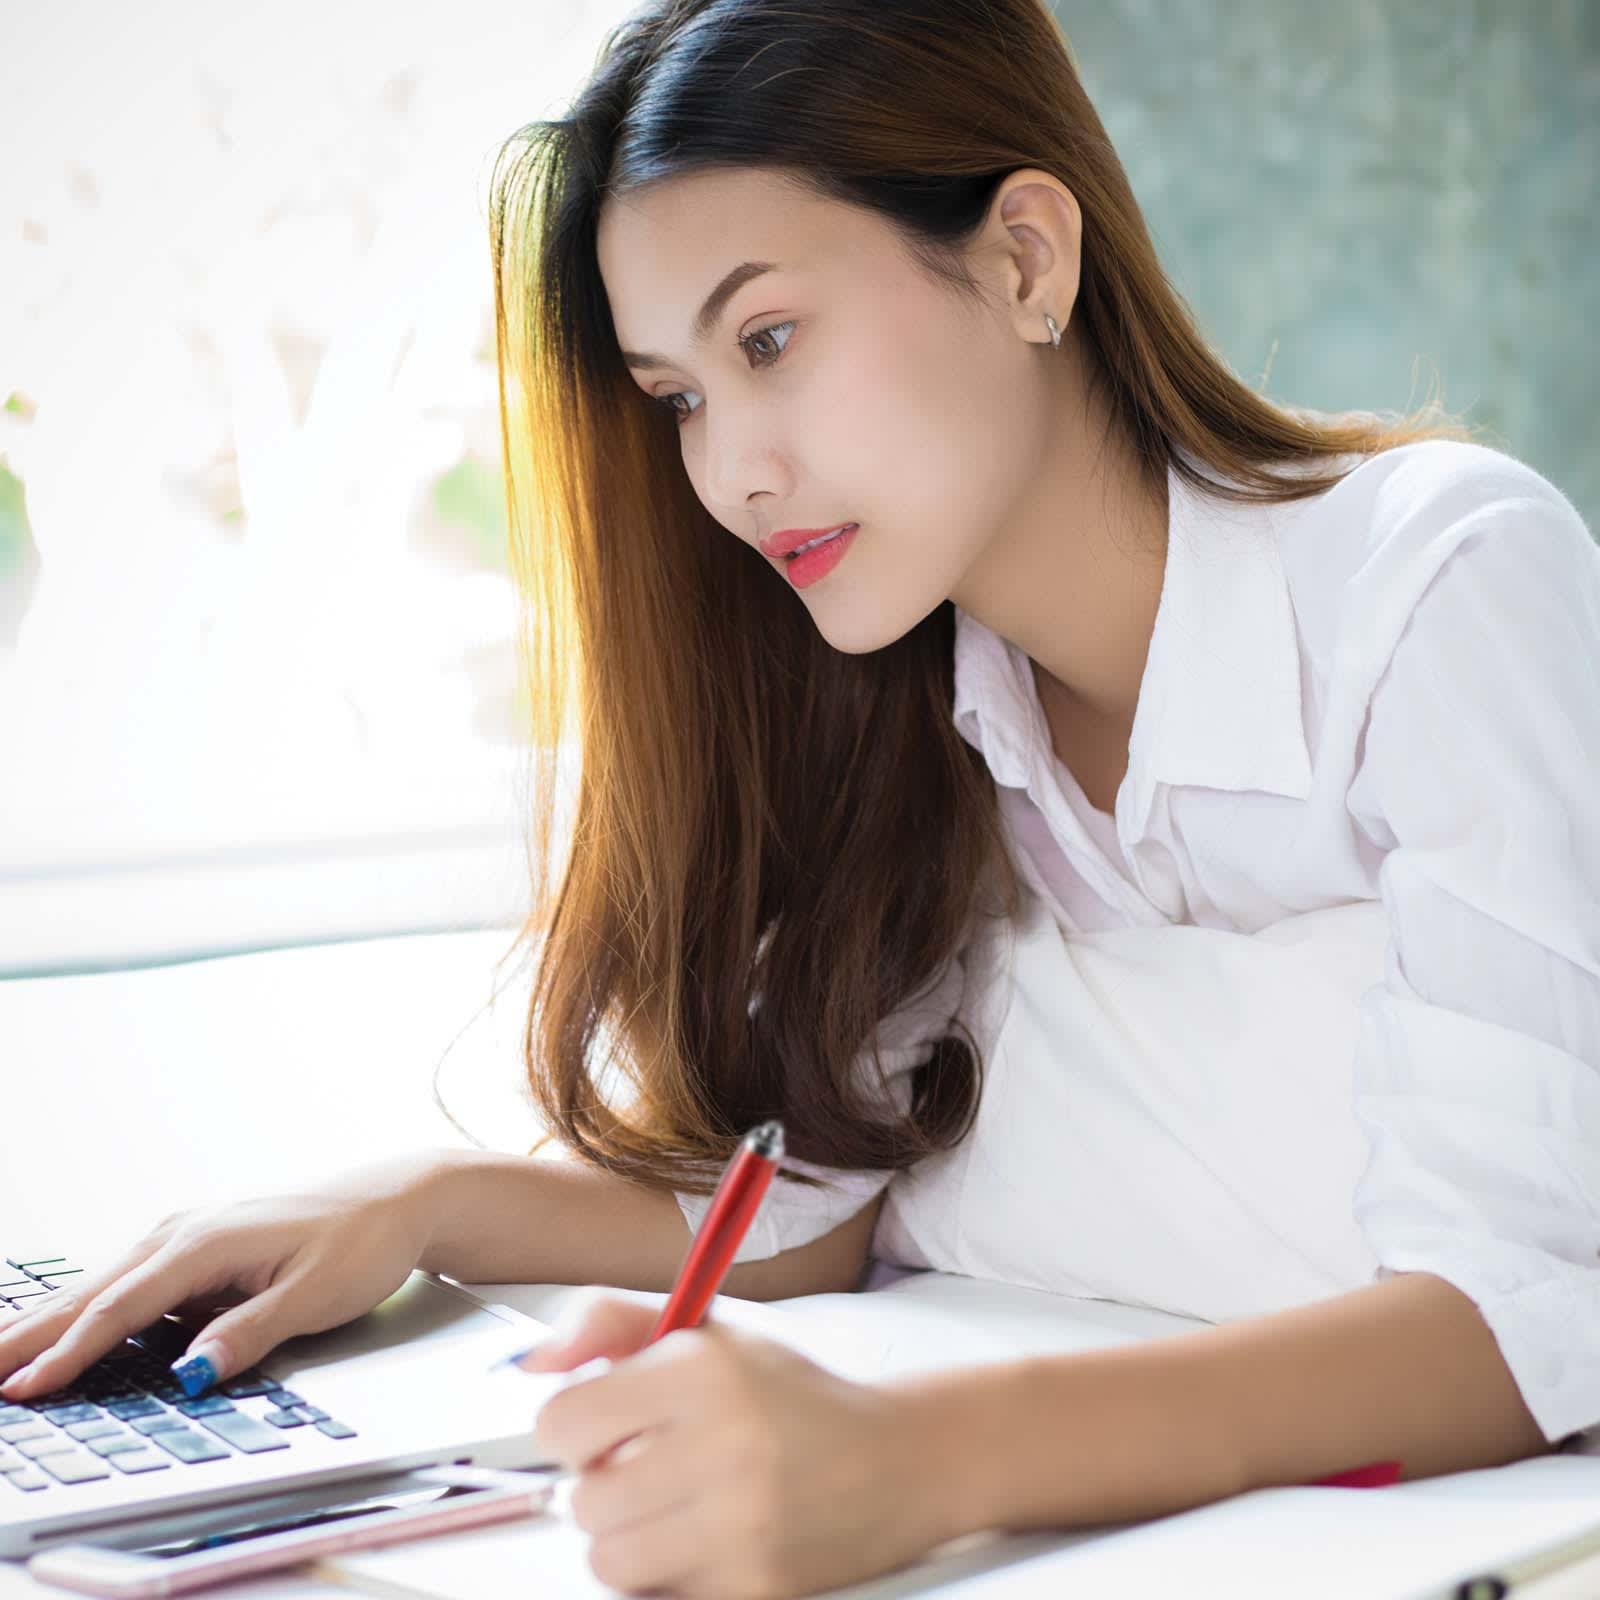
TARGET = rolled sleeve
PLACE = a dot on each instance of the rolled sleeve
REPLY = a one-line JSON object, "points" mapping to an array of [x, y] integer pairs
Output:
{"points": [[793, 1214], [1477, 1077]]}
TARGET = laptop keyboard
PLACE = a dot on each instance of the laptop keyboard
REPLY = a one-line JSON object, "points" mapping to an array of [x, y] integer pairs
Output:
{"points": [[128, 1414]]}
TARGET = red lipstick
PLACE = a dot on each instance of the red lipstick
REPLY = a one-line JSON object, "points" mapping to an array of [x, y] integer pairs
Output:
{"points": [[828, 547], [779, 544]]}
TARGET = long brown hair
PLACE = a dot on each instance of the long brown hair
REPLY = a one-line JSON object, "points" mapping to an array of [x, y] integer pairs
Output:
{"points": [[773, 845]]}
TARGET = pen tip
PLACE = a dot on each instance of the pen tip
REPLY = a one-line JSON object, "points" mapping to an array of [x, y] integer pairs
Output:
{"points": [[766, 1139]]}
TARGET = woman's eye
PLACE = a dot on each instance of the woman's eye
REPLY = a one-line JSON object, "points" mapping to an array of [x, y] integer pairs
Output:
{"points": [[670, 401], [748, 342]]}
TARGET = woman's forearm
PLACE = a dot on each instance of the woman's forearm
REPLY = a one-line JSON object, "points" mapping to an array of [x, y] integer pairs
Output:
{"points": [[495, 1218], [499, 1218], [1403, 1370]]}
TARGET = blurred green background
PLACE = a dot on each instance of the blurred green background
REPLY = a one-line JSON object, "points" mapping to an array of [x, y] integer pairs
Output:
{"points": [[1370, 203]]}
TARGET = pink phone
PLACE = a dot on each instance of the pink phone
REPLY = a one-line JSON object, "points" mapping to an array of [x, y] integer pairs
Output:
{"points": [[174, 1555]]}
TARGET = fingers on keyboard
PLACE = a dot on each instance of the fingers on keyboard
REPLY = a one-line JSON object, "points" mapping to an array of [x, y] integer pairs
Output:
{"points": [[52, 1353], [99, 1316], [24, 1338], [47, 1295]]}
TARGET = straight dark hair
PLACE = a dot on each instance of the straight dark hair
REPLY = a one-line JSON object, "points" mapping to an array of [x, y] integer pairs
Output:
{"points": [[773, 845]]}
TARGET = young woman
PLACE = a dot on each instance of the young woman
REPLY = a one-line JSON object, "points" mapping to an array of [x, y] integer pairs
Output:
{"points": [[905, 566]]}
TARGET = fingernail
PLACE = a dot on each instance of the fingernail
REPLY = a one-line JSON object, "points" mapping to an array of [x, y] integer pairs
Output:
{"points": [[196, 1372], [539, 1347]]}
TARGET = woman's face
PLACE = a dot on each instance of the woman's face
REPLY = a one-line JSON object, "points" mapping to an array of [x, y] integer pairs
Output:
{"points": [[863, 391]]}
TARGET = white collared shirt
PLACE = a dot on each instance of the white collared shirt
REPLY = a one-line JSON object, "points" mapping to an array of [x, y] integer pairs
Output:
{"points": [[1386, 692]]}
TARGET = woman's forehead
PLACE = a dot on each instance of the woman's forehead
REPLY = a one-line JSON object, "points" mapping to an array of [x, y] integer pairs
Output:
{"points": [[750, 209], [676, 240]]}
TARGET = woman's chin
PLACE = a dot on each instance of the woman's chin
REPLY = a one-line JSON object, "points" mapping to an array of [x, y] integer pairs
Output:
{"points": [[862, 626], [874, 596]]}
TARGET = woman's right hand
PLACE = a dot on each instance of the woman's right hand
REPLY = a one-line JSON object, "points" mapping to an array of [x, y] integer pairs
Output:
{"points": [[274, 1267]]}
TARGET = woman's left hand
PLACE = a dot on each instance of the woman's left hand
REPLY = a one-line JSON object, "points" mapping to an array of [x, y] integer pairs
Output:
{"points": [[719, 1463]]}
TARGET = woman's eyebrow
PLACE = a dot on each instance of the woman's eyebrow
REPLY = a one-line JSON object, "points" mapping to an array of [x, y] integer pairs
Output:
{"points": [[705, 321]]}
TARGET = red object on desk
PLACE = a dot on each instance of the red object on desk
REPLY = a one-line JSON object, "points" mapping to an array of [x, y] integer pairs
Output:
{"points": [[722, 1229], [1376, 1475]]}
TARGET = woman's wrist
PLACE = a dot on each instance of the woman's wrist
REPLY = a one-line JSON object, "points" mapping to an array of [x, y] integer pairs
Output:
{"points": [[433, 1199], [408, 1188], [954, 1441]]}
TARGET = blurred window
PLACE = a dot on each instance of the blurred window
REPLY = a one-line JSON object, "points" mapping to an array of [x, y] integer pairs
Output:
{"points": [[255, 612]]}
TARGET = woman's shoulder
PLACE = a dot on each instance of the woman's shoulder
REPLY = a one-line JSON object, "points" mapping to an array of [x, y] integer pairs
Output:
{"points": [[1412, 493], [1452, 476], [1361, 554]]}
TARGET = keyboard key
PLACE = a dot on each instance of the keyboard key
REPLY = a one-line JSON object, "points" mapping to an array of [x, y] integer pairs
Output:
{"points": [[62, 1415], [9, 1414], [203, 1405], [144, 1406], [154, 1424], [284, 1398], [310, 1413], [140, 1461], [246, 1385], [119, 1382], [18, 1431], [111, 1447], [244, 1432], [336, 1430], [284, 1419], [104, 1394], [100, 1428], [73, 1466], [27, 1478], [48, 1445], [187, 1445]]}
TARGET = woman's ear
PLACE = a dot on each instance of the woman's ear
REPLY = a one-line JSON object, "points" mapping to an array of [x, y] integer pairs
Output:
{"points": [[1033, 233]]}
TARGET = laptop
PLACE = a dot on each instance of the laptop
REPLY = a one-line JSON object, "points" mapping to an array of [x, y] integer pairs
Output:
{"points": [[404, 1385]]}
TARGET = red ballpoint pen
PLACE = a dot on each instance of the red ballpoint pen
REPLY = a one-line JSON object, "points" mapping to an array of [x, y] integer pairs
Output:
{"points": [[722, 1229], [716, 1242]]}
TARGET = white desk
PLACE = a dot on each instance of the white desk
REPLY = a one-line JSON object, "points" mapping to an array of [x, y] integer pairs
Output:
{"points": [[147, 1091]]}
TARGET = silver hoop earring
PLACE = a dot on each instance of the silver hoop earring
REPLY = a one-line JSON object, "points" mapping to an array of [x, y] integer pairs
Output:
{"points": [[1055, 332]]}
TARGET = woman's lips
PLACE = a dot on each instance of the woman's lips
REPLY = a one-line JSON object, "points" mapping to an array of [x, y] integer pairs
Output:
{"points": [[806, 568], [787, 540]]}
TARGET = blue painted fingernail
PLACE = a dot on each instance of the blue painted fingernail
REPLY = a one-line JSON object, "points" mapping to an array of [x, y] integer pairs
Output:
{"points": [[515, 1357], [194, 1373]]}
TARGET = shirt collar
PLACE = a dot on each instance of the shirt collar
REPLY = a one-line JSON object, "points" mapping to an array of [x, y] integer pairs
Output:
{"points": [[1219, 704]]}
